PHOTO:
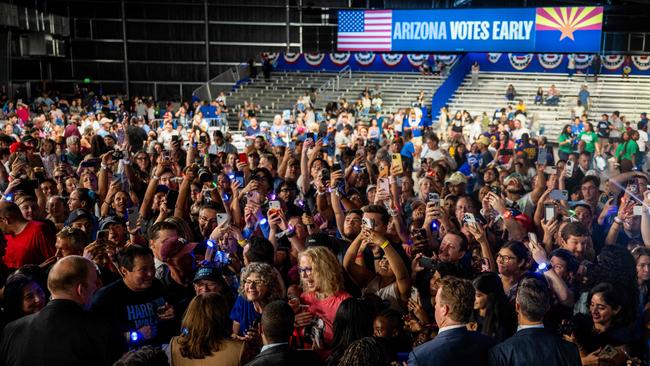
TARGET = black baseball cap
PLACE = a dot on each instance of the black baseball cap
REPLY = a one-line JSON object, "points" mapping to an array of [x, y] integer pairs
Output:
{"points": [[207, 273]]}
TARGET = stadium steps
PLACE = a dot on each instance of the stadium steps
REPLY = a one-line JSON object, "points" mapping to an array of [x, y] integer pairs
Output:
{"points": [[398, 90], [609, 93]]}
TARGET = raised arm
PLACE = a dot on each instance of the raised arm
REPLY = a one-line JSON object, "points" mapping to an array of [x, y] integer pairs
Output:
{"points": [[359, 273], [624, 212], [182, 209], [540, 184], [394, 260], [339, 215], [559, 287], [147, 201], [304, 166]]}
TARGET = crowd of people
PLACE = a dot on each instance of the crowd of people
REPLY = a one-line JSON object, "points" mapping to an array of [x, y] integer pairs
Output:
{"points": [[340, 237]]}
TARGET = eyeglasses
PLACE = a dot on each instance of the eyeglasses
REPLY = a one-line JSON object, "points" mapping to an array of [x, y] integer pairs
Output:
{"points": [[306, 270], [59, 177], [505, 258], [257, 283]]}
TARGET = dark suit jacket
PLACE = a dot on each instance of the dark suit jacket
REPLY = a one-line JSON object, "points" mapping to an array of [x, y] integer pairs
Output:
{"points": [[63, 333], [285, 355], [453, 347], [535, 346]]}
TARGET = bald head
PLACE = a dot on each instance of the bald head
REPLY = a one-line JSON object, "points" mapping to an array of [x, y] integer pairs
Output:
{"points": [[73, 278]]}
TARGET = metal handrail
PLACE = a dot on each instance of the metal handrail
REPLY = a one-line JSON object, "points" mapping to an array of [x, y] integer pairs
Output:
{"points": [[334, 82], [222, 82]]}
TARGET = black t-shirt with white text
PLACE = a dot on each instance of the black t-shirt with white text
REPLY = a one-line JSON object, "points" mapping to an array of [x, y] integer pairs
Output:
{"points": [[129, 310], [603, 129]]}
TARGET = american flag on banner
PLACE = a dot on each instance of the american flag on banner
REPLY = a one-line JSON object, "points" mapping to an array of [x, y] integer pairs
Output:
{"points": [[368, 30]]}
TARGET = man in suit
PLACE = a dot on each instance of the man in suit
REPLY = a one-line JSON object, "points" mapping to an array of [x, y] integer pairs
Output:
{"points": [[277, 326], [532, 344], [64, 332], [454, 344]]}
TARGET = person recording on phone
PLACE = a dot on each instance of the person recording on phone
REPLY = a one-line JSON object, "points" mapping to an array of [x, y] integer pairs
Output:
{"points": [[391, 280]]}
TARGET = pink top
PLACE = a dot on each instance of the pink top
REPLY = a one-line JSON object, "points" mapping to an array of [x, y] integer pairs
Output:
{"points": [[325, 309]]}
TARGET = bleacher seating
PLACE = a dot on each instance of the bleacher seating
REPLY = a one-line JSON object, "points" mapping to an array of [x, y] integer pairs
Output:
{"points": [[609, 93], [398, 90]]}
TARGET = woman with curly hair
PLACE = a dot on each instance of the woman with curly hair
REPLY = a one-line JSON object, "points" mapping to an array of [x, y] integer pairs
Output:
{"points": [[321, 277], [259, 286], [205, 336]]}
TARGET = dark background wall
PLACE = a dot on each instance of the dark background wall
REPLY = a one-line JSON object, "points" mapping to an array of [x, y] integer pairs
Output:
{"points": [[168, 48]]}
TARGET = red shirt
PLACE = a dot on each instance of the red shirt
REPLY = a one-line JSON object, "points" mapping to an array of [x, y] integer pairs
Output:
{"points": [[22, 113], [325, 309], [33, 245]]}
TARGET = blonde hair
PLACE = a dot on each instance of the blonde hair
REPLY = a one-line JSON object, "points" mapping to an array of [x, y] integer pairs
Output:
{"points": [[326, 269]]}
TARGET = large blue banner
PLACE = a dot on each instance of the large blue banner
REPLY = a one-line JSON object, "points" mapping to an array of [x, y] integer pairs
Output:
{"points": [[574, 29]]}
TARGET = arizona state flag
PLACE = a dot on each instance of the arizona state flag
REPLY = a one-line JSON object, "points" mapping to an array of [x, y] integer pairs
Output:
{"points": [[562, 29]]}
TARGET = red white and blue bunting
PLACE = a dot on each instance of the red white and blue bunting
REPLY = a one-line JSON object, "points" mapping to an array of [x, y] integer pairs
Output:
{"points": [[364, 58], [314, 59], [392, 59], [390, 62], [417, 59], [448, 60], [583, 61], [272, 56], [291, 57], [340, 59], [493, 57], [549, 61], [520, 62], [612, 62], [642, 62]]}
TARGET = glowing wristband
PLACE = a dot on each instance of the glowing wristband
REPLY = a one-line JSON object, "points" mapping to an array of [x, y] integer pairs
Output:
{"points": [[384, 244], [242, 243], [543, 267]]}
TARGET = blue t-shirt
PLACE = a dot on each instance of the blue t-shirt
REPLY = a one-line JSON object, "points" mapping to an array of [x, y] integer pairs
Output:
{"points": [[243, 312], [275, 130], [250, 131], [408, 150], [576, 129], [583, 96], [208, 111]]}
